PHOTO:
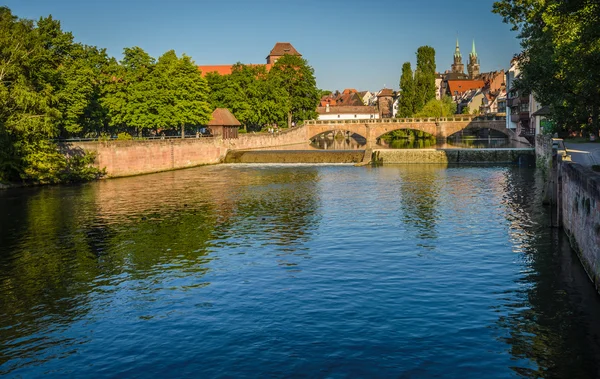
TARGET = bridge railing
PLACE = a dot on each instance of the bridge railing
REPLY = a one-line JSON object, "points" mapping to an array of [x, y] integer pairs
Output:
{"points": [[407, 120]]}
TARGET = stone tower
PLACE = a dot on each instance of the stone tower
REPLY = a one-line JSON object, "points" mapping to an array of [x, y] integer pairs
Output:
{"points": [[458, 67], [473, 66]]}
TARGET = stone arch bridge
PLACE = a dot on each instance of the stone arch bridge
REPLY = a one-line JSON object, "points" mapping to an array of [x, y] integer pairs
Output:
{"points": [[373, 129]]}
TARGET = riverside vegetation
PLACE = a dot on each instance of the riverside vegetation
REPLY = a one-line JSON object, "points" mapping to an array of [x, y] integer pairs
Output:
{"points": [[53, 88]]}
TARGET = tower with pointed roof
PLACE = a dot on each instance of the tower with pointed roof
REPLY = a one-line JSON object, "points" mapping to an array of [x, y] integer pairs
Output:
{"points": [[473, 66], [458, 67]]}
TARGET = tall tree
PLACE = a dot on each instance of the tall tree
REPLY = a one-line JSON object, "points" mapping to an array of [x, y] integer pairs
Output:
{"points": [[130, 97], [293, 74], [182, 98], [33, 61], [406, 104], [560, 58], [424, 76]]}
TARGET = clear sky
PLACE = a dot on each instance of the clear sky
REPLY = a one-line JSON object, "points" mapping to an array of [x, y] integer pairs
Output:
{"points": [[350, 43]]}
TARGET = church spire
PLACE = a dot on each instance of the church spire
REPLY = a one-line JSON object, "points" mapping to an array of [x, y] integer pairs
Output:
{"points": [[473, 52], [473, 66], [457, 51]]}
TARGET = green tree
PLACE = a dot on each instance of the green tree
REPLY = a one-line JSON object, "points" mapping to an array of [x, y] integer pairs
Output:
{"points": [[250, 95], [424, 77], [296, 78], [33, 58], [130, 96], [406, 104], [560, 58], [182, 93], [438, 108]]}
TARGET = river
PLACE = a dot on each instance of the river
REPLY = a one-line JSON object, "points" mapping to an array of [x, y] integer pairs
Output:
{"points": [[411, 271]]}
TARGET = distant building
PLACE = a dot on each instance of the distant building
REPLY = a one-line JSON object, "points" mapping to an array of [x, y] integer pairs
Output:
{"points": [[487, 90], [473, 66], [279, 50], [457, 67], [520, 107], [347, 112], [456, 88], [366, 97], [385, 103], [223, 124]]}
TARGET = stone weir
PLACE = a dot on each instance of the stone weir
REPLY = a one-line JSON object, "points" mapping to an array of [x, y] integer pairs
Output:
{"points": [[294, 156], [523, 156]]}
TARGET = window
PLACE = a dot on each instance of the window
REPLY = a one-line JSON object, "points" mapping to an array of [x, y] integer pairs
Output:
{"points": [[338, 116], [354, 116]]}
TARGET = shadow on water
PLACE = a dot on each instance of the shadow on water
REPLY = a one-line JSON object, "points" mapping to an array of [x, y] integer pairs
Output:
{"points": [[65, 251], [554, 321]]}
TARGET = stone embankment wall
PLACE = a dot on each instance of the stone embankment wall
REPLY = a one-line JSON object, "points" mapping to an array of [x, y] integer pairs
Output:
{"points": [[578, 205], [453, 156], [543, 152], [126, 158]]}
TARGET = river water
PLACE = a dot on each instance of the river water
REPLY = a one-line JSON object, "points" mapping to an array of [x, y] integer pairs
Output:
{"points": [[335, 271]]}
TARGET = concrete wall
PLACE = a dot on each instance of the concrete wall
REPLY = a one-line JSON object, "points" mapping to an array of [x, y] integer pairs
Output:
{"points": [[126, 158], [453, 156], [579, 214]]}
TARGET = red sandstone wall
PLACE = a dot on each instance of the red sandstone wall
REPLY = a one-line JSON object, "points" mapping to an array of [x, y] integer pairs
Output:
{"points": [[126, 158]]}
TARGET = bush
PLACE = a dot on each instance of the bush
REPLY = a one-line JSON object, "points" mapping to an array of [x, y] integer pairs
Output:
{"points": [[124, 136]]}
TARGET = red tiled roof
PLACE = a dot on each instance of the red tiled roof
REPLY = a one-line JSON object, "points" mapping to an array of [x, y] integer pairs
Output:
{"points": [[349, 90], [223, 117], [386, 92], [226, 69], [349, 99], [282, 48], [327, 99], [461, 86]]}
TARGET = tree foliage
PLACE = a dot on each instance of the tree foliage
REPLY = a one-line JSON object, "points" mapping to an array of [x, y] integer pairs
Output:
{"points": [[249, 95], [406, 103], [39, 98], [424, 77], [438, 108], [296, 78], [52, 88], [560, 58]]}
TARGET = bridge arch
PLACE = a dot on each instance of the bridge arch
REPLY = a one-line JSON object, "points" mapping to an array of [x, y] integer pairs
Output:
{"points": [[373, 129]]}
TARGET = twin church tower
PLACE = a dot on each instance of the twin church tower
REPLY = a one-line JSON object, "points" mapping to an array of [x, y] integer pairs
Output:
{"points": [[473, 67]]}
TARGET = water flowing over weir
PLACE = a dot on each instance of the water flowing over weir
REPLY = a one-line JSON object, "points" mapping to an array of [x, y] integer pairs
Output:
{"points": [[519, 156], [295, 156]]}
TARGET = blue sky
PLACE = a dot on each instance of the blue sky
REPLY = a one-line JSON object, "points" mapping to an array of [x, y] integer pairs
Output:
{"points": [[349, 43]]}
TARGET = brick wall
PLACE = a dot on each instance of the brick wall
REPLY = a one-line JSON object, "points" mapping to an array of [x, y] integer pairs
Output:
{"points": [[126, 158]]}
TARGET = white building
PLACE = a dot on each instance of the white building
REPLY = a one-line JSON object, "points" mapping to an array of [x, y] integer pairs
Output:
{"points": [[347, 112], [519, 108]]}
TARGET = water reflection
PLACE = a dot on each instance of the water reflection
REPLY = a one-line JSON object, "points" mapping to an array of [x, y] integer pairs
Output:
{"points": [[246, 270], [151, 233], [341, 141], [432, 143]]}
